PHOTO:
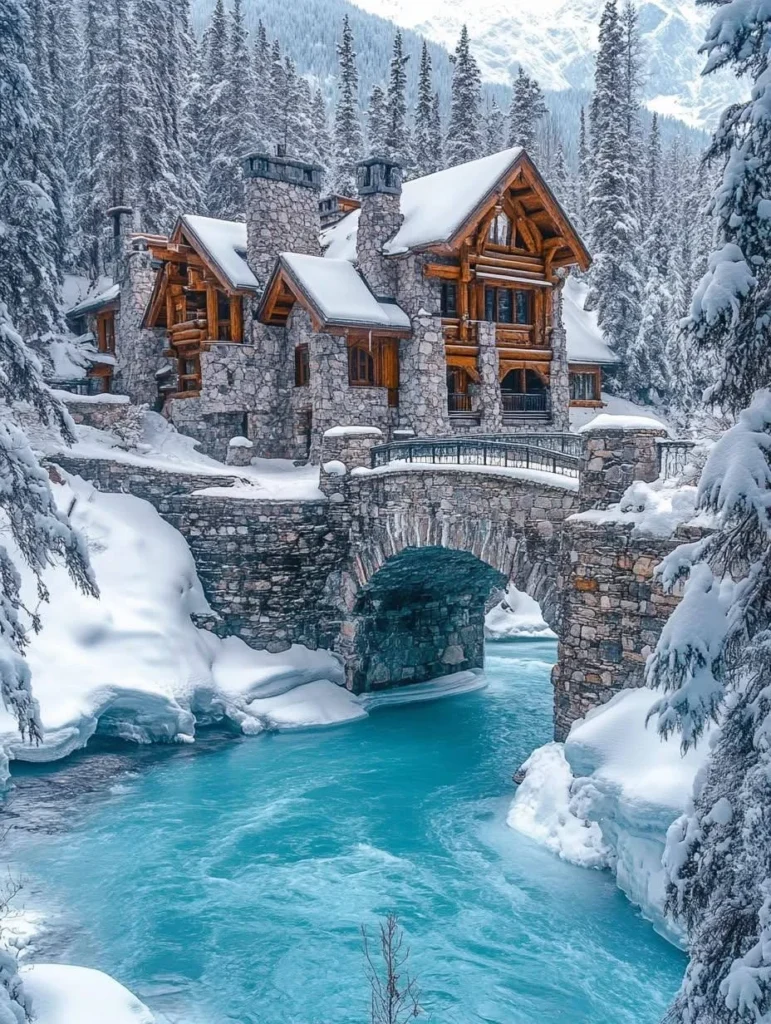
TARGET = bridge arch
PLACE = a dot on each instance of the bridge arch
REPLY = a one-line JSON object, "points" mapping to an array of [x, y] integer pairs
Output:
{"points": [[430, 547]]}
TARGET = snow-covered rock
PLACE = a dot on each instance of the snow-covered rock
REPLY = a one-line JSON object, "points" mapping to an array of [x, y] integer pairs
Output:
{"points": [[609, 795], [62, 994]]}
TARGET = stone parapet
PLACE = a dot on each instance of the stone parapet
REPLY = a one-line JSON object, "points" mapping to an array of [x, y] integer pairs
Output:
{"points": [[618, 452], [148, 482]]}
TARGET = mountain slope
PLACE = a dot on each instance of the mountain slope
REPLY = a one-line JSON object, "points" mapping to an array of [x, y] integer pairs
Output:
{"points": [[555, 40]]}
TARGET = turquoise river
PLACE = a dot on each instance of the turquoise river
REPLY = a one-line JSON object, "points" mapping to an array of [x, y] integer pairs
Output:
{"points": [[227, 881]]}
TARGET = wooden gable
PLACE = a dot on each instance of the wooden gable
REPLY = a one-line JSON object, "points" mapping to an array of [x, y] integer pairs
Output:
{"points": [[544, 230]]}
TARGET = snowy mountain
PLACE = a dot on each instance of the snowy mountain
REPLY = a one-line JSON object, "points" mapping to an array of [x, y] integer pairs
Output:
{"points": [[555, 41]]}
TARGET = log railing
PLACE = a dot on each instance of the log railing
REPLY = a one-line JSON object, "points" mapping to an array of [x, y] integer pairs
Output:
{"points": [[475, 451]]}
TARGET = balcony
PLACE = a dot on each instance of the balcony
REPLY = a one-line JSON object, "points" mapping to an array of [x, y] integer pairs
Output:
{"points": [[518, 406]]}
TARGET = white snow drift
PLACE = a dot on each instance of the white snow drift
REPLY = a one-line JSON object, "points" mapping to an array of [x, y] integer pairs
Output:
{"points": [[607, 797]]}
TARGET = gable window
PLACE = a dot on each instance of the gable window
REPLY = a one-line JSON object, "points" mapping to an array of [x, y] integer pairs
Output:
{"points": [[302, 369], [449, 298], [361, 367], [508, 306], [499, 232]]}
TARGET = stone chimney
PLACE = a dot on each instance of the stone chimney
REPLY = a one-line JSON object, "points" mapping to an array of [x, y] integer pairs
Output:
{"points": [[122, 218], [379, 181], [282, 209]]}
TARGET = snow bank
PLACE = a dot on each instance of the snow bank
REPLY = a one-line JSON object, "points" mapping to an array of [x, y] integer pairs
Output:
{"points": [[62, 994], [131, 664], [654, 510], [608, 796], [516, 615], [612, 405], [103, 399]]}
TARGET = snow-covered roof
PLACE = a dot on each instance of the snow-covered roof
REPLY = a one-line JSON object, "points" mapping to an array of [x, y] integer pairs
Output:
{"points": [[340, 295], [224, 243], [95, 302], [433, 207], [436, 205], [586, 343]]}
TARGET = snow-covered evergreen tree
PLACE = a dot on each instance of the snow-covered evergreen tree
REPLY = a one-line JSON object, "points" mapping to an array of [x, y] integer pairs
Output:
{"points": [[615, 276], [236, 131], [29, 219], [437, 134], [424, 152], [261, 84], [495, 127], [464, 132], [731, 309], [321, 140], [398, 144], [527, 109], [713, 659], [376, 121], [348, 142]]}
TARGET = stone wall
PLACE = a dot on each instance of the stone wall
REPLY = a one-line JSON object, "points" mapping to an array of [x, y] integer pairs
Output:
{"points": [[491, 408], [612, 611], [102, 412], [281, 216], [267, 567], [379, 220], [423, 379], [154, 485]]}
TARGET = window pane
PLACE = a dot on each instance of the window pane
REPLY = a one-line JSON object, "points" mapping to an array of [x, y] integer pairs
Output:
{"points": [[490, 304], [449, 299], [523, 303], [504, 306]]}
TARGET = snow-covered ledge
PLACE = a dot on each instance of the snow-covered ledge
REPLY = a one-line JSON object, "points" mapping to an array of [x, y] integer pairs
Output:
{"points": [[619, 449]]}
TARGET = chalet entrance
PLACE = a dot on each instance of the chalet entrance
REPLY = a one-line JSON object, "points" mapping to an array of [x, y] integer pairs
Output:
{"points": [[525, 395]]}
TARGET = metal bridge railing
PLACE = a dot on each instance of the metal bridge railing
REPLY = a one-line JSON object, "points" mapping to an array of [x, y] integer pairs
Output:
{"points": [[555, 441], [476, 451]]}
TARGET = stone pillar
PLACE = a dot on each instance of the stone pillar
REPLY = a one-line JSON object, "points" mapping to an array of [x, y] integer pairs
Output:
{"points": [[344, 449], [490, 386], [328, 383], [560, 377], [423, 379], [619, 450], [379, 182], [281, 198]]}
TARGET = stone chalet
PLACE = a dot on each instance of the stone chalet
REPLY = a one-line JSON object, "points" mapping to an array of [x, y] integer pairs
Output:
{"points": [[436, 307]]}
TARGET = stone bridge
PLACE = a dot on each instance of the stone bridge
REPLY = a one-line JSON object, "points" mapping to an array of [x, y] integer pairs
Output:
{"points": [[395, 566]]}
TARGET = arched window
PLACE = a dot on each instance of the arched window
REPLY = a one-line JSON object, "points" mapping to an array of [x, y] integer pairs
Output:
{"points": [[361, 367]]}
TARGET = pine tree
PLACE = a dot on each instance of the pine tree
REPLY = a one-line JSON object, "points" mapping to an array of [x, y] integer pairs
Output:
{"points": [[29, 275], [398, 145], [377, 122], [495, 126], [615, 277], [583, 178], [347, 131], [262, 86], [653, 151], [437, 134], [731, 309], [424, 155], [527, 109], [215, 48], [236, 132], [713, 659], [322, 142], [464, 134]]}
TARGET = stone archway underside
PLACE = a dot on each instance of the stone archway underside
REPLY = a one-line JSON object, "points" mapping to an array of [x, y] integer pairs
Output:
{"points": [[421, 615]]}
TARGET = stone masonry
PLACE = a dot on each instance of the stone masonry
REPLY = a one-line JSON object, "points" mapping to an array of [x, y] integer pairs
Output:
{"points": [[379, 185], [560, 377], [615, 457]]}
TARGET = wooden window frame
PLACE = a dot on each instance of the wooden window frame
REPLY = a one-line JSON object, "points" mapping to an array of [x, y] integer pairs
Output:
{"points": [[302, 370], [495, 291], [448, 289], [360, 357], [105, 332], [593, 372]]}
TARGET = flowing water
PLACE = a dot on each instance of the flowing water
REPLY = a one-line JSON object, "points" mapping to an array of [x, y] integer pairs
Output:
{"points": [[228, 883]]}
